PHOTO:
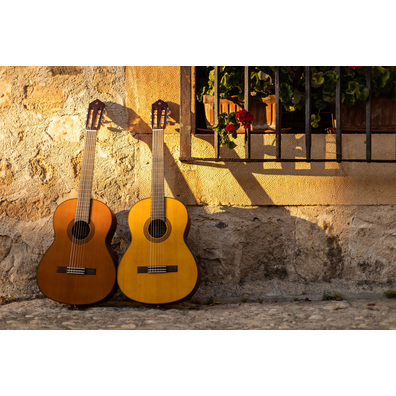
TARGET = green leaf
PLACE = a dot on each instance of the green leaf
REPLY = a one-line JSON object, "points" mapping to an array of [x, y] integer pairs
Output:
{"points": [[317, 79], [297, 96], [315, 120], [286, 93], [264, 76], [380, 76]]}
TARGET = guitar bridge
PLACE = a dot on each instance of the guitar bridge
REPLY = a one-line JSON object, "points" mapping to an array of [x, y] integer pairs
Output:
{"points": [[157, 269], [76, 270]]}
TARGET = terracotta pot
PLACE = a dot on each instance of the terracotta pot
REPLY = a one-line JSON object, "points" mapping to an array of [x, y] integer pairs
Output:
{"points": [[383, 114], [263, 110]]}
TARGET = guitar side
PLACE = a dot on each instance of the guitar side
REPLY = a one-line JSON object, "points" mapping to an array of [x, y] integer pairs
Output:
{"points": [[169, 252], [93, 253]]}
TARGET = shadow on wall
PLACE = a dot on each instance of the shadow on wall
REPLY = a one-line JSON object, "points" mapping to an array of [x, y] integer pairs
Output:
{"points": [[237, 248], [268, 250], [244, 247]]}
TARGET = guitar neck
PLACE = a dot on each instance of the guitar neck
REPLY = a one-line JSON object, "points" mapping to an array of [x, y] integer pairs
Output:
{"points": [[157, 176], [85, 187]]}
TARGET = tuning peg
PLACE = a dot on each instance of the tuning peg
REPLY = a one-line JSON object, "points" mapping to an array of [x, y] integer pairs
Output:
{"points": [[168, 111]]}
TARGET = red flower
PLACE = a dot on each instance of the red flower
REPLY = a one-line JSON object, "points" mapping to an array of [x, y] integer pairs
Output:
{"points": [[355, 67], [245, 117], [230, 128]]}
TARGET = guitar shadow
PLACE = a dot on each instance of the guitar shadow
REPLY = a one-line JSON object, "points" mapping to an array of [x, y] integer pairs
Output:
{"points": [[257, 252], [175, 170]]}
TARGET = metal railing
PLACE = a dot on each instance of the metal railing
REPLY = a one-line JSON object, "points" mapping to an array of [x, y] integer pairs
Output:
{"points": [[186, 125]]}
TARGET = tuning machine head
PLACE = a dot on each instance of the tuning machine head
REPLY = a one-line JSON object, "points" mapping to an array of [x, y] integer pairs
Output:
{"points": [[168, 112]]}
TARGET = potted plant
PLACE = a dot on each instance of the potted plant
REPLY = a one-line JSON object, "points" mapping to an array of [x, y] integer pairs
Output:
{"points": [[354, 92], [231, 94]]}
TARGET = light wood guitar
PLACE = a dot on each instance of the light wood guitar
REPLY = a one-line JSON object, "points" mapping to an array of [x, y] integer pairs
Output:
{"points": [[158, 267], [79, 267]]}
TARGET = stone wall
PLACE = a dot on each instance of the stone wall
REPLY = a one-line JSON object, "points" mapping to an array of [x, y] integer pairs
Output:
{"points": [[255, 228], [42, 129], [294, 250]]}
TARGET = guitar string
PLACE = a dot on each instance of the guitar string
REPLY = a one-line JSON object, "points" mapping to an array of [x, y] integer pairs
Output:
{"points": [[160, 225], [159, 232], [84, 201], [157, 224], [152, 217], [80, 198], [156, 181], [161, 190], [87, 188], [81, 204], [160, 195], [157, 197], [153, 186], [152, 252], [74, 246]]}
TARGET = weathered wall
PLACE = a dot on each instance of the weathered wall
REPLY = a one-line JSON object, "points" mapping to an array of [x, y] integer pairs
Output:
{"points": [[255, 228], [42, 130]]}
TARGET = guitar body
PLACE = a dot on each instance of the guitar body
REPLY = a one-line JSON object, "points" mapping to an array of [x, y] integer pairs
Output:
{"points": [[92, 253], [140, 272]]}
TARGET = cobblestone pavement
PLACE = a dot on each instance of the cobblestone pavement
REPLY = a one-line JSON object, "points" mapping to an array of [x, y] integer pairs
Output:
{"points": [[282, 314]]}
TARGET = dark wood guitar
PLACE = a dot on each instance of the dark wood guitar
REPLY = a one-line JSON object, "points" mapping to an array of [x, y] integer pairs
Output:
{"points": [[158, 267], [79, 267]]}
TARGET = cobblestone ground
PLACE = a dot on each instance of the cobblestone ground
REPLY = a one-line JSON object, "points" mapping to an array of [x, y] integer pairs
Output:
{"points": [[282, 314], [354, 314]]}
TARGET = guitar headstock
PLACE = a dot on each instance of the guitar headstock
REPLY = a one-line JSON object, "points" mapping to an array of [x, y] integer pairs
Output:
{"points": [[159, 114], [95, 115]]}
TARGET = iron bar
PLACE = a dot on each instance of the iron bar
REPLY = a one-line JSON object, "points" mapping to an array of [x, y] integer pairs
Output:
{"points": [[247, 108], [368, 115], [216, 142], [308, 112], [278, 115], [197, 159], [185, 111], [338, 116]]}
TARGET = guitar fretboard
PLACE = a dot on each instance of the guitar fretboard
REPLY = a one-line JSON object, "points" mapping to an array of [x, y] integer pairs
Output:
{"points": [[157, 176], [85, 187]]}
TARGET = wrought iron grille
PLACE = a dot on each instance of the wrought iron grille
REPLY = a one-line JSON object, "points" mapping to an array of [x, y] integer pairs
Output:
{"points": [[186, 124]]}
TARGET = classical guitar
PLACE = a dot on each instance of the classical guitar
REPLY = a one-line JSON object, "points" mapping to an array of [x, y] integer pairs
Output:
{"points": [[158, 267], [79, 267]]}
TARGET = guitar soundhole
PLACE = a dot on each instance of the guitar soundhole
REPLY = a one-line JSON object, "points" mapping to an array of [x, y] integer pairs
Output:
{"points": [[157, 228], [80, 230]]}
